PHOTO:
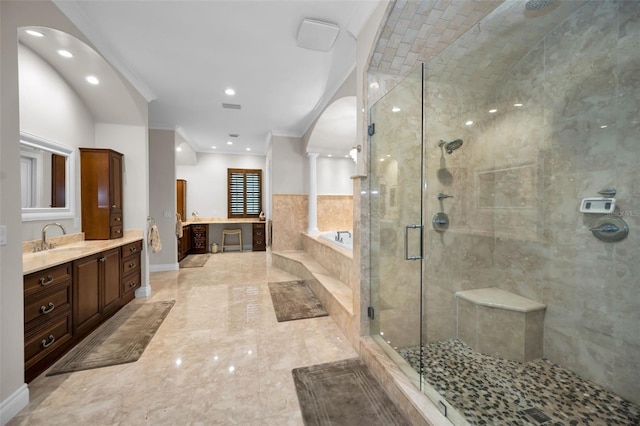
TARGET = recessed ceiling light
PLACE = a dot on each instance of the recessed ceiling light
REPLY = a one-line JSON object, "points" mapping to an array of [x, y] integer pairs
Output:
{"points": [[92, 79], [329, 155], [493, 110], [34, 33], [346, 156], [395, 109], [230, 91], [248, 149], [469, 123], [229, 143], [374, 85], [178, 149], [517, 105], [213, 147], [65, 53], [604, 126], [382, 159]]}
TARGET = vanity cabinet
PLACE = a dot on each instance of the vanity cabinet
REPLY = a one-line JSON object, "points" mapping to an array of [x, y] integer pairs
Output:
{"points": [[96, 289], [47, 317], [101, 192], [259, 237], [131, 271], [184, 243], [181, 197], [199, 238]]}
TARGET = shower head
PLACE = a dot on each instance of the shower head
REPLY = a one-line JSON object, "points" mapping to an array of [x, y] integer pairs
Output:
{"points": [[450, 146], [538, 4]]}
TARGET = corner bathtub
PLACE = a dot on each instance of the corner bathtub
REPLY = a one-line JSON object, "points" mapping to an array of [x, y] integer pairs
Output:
{"points": [[345, 236]]}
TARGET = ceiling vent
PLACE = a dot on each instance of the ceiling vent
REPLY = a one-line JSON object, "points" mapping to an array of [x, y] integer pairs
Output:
{"points": [[317, 35], [233, 135], [231, 106]]}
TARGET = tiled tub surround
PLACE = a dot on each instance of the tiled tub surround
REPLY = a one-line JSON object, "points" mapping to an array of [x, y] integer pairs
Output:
{"points": [[519, 177], [290, 213], [494, 391]]}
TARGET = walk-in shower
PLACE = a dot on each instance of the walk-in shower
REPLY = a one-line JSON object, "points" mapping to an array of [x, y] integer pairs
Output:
{"points": [[516, 314], [450, 146]]}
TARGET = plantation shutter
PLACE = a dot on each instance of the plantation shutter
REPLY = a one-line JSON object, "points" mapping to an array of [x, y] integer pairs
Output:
{"points": [[244, 193]]}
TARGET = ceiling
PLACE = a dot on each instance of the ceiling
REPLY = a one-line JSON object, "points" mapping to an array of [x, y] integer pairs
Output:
{"points": [[182, 55]]}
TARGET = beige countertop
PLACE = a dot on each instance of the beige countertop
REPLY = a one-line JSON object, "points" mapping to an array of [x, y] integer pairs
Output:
{"points": [[33, 262], [221, 220]]}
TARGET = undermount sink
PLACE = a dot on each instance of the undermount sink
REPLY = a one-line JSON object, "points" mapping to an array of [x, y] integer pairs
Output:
{"points": [[64, 249]]}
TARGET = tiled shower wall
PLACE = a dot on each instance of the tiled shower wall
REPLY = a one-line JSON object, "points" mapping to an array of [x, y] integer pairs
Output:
{"points": [[518, 180], [290, 214], [517, 183]]}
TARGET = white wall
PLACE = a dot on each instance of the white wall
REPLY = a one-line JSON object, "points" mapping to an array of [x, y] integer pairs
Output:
{"points": [[207, 181], [290, 166], [162, 197], [334, 176], [52, 110]]}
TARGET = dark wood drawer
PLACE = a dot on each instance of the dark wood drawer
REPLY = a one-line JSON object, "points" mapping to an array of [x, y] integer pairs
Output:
{"points": [[115, 232], [38, 281], [130, 264], [47, 339], [131, 282], [257, 226], [47, 303], [131, 248], [197, 228], [115, 219]]}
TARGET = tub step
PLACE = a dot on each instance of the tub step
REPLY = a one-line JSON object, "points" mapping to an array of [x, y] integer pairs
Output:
{"points": [[335, 295]]}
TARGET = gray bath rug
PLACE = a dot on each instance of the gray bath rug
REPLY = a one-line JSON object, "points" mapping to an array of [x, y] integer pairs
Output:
{"points": [[344, 393], [194, 260], [120, 340], [294, 300]]}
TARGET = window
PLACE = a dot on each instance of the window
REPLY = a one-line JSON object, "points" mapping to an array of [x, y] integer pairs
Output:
{"points": [[244, 192]]}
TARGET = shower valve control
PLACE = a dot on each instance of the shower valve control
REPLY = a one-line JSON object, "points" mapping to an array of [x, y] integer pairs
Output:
{"points": [[598, 205]]}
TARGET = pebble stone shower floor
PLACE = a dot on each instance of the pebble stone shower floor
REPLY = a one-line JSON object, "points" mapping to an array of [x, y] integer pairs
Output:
{"points": [[494, 391]]}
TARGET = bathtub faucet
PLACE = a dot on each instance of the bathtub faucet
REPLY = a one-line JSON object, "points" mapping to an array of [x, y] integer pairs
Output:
{"points": [[339, 238]]}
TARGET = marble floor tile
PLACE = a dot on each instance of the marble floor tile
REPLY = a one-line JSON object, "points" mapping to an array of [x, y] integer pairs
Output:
{"points": [[220, 357]]}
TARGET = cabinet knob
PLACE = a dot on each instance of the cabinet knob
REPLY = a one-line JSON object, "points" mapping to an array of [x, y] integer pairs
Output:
{"points": [[102, 259], [131, 265], [118, 219], [133, 249], [46, 281], [118, 231], [46, 344], [45, 310], [113, 206], [133, 284]]}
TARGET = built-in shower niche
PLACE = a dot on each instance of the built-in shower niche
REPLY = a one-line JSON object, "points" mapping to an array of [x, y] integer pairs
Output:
{"points": [[512, 194]]}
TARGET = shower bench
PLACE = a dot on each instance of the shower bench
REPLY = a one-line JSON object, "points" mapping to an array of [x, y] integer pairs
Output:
{"points": [[499, 323]]}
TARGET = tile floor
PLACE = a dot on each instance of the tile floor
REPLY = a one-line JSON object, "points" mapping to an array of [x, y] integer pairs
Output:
{"points": [[220, 357], [495, 391]]}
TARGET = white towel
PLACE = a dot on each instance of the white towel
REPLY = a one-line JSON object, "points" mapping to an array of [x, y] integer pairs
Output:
{"points": [[179, 229], [154, 239]]}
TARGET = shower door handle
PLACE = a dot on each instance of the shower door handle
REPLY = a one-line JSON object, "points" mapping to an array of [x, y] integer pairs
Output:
{"points": [[406, 242]]}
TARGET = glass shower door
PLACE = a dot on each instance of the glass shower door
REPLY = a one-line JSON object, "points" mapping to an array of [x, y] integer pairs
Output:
{"points": [[396, 187]]}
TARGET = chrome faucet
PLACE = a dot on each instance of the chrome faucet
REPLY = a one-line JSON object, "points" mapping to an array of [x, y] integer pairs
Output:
{"points": [[44, 235], [339, 238]]}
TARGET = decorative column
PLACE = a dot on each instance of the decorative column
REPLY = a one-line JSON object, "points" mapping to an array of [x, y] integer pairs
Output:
{"points": [[313, 194]]}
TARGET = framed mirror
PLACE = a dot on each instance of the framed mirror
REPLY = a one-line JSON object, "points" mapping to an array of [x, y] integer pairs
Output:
{"points": [[47, 179]]}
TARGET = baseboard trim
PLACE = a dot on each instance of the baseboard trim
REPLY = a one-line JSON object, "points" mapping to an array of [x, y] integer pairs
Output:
{"points": [[164, 267], [11, 406], [144, 291]]}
